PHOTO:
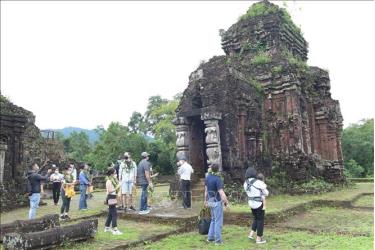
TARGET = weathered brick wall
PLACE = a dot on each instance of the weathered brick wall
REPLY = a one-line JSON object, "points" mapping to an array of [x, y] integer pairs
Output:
{"points": [[276, 111]]}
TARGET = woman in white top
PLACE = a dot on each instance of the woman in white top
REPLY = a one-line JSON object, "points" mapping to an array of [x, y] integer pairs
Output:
{"points": [[112, 187], [256, 191]]}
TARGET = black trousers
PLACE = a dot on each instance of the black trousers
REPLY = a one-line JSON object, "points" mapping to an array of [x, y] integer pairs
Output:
{"points": [[186, 193], [112, 216], [65, 203], [258, 223], [56, 186]]}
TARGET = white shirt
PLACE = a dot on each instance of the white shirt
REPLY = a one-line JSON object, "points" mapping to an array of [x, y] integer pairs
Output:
{"points": [[185, 171], [74, 173], [127, 174], [56, 177], [259, 189]]}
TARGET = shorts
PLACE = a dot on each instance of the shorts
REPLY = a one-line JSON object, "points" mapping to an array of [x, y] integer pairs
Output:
{"points": [[126, 187]]}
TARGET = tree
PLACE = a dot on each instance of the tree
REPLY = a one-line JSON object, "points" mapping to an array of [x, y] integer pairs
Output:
{"points": [[137, 123], [358, 145], [353, 169], [77, 146]]}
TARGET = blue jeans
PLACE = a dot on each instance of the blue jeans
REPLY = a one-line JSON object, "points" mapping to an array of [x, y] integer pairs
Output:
{"points": [[144, 197], [34, 204], [214, 233], [83, 197]]}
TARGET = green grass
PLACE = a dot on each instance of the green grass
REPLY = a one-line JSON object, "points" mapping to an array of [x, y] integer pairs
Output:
{"points": [[329, 219], [235, 237], [261, 59], [132, 231], [95, 206], [279, 203], [365, 201]]}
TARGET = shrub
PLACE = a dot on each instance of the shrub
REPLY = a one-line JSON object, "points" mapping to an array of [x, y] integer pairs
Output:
{"points": [[353, 169], [315, 186], [261, 59], [259, 9], [277, 69]]}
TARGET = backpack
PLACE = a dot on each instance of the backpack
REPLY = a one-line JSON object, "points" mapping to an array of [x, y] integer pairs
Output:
{"points": [[248, 188]]}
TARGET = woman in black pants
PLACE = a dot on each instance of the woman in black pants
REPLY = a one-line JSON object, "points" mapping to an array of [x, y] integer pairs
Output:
{"points": [[67, 183], [256, 191], [112, 186], [56, 179]]}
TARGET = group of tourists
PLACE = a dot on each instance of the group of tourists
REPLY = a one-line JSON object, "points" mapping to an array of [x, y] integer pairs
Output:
{"points": [[121, 181]]}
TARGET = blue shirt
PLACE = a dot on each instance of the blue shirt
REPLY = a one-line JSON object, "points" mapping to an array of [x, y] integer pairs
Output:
{"points": [[213, 184], [83, 179]]}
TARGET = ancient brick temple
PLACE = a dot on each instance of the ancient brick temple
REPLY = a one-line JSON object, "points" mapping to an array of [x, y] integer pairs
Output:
{"points": [[262, 103], [21, 144]]}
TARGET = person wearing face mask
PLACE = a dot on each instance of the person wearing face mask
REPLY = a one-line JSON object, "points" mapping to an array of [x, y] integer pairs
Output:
{"points": [[67, 190], [127, 176], [56, 179]]}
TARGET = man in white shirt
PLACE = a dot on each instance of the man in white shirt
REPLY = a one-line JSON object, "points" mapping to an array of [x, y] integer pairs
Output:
{"points": [[184, 171], [127, 178]]}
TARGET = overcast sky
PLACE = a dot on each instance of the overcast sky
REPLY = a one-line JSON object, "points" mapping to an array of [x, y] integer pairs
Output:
{"points": [[85, 64]]}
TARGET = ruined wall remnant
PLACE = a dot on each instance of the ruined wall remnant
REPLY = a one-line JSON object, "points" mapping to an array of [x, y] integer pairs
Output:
{"points": [[21, 144], [262, 103]]}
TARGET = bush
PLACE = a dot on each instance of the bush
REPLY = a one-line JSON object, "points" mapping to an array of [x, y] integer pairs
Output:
{"points": [[316, 186], [277, 69], [353, 169], [261, 59], [259, 9]]}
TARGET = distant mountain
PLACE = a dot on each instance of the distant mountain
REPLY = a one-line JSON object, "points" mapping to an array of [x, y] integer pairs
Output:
{"points": [[93, 136]]}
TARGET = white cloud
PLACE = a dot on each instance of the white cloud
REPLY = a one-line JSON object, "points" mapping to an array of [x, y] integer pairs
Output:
{"points": [[89, 63]]}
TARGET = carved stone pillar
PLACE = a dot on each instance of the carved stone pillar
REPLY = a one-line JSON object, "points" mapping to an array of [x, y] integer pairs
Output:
{"points": [[212, 130], [182, 134], [3, 149]]}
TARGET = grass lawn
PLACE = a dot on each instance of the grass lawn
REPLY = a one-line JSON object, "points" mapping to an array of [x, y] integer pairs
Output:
{"points": [[132, 231], [235, 237], [365, 201], [329, 219], [278, 203], [95, 206]]}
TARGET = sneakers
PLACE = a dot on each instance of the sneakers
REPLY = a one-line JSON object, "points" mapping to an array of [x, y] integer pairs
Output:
{"points": [[64, 217], [250, 237], [261, 241], [107, 229], [116, 232], [144, 212]]}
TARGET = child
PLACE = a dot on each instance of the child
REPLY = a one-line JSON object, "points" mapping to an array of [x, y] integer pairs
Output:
{"points": [[256, 191]]}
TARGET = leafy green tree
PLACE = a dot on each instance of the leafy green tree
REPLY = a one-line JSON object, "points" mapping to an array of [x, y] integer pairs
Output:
{"points": [[353, 169], [137, 123], [358, 148], [77, 146]]}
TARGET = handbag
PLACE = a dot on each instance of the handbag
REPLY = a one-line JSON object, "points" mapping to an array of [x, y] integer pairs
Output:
{"points": [[111, 199], [70, 191], [90, 189], [204, 225]]}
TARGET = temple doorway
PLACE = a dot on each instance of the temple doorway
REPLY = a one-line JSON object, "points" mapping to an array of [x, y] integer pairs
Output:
{"points": [[198, 156]]}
